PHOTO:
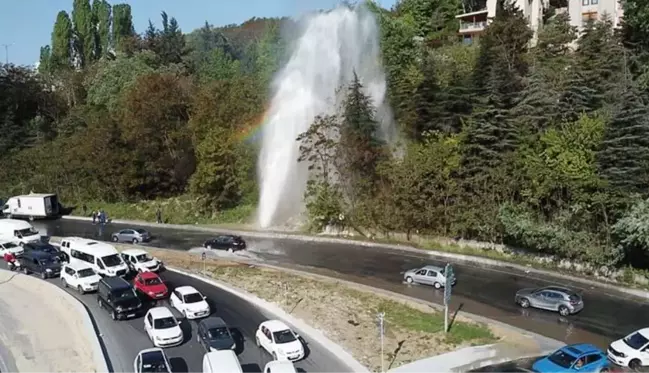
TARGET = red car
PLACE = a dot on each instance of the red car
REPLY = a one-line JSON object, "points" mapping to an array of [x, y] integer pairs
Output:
{"points": [[150, 284]]}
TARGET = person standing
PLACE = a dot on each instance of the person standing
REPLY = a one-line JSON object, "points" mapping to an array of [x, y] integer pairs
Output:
{"points": [[158, 215], [94, 216], [85, 209]]}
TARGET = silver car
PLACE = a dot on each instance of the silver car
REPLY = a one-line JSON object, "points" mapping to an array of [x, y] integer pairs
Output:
{"points": [[427, 275], [551, 298], [131, 235]]}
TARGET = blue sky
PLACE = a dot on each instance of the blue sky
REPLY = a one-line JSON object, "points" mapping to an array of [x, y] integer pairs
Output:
{"points": [[27, 24]]}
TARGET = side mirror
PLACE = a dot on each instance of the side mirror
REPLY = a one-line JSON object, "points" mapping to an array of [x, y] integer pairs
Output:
{"points": [[204, 297]]}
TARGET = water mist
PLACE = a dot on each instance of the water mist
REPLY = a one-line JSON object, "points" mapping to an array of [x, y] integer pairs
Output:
{"points": [[329, 48]]}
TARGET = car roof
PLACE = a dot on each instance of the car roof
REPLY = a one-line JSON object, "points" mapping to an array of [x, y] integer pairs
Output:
{"points": [[148, 275], [15, 223], [644, 332], [78, 266], [432, 268], [560, 289], [160, 312], [213, 322], [184, 290], [275, 325], [116, 282], [40, 255], [581, 349], [224, 361], [37, 195], [134, 252], [281, 366]]}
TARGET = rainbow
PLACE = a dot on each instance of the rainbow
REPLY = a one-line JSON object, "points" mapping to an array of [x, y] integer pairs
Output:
{"points": [[250, 131]]}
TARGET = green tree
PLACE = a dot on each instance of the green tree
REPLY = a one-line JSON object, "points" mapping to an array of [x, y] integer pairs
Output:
{"points": [[123, 30], [102, 14], [171, 41], [85, 27], [61, 56], [45, 61]]}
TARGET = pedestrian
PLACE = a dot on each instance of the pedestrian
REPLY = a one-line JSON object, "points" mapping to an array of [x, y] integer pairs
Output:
{"points": [[85, 209], [158, 215], [102, 216], [94, 216]]}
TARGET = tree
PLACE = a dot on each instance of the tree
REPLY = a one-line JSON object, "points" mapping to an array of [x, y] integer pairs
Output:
{"points": [[170, 41], [61, 56], [123, 30], [45, 61], [102, 14], [85, 26]]}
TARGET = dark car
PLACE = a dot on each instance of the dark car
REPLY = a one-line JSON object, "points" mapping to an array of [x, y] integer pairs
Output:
{"points": [[118, 297], [42, 263], [226, 242], [45, 248], [213, 334]]}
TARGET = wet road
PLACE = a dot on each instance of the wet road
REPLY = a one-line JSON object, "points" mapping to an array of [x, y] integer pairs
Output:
{"points": [[484, 291]]}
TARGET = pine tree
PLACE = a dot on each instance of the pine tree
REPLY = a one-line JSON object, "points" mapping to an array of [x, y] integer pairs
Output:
{"points": [[84, 32], [62, 42], [123, 29], [536, 109], [45, 61], [101, 11], [424, 104]]}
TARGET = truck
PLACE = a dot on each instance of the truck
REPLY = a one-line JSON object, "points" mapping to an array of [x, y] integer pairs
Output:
{"points": [[32, 206]]}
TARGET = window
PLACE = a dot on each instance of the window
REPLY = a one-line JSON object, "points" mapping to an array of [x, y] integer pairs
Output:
{"points": [[18, 202], [593, 357], [432, 274], [585, 2], [594, 2], [590, 16], [421, 272], [69, 271], [82, 256]]}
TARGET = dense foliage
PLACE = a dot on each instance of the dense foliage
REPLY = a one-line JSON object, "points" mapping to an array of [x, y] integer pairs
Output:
{"points": [[544, 147]]}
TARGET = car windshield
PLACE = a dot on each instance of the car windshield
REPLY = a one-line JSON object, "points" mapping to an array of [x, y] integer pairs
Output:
{"points": [[143, 258], [86, 272], [562, 359], [26, 232], [140, 231], [218, 333], [154, 361], [48, 249], [124, 294], [47, 262], [164, 323], [155, 367], [636, 341], [152, 281], [9, 245], [193, 298], [111, 260], [284, 336]]}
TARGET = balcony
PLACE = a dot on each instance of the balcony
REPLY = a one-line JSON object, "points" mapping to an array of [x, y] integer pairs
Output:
{"points": [[471, 27]]}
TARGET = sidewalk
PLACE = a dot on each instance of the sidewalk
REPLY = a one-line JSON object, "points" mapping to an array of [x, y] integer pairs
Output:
{"points": [[41, 331]]}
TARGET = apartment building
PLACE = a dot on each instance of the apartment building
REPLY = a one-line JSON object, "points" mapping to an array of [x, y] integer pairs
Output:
{"points": [[583, 10], [473, 24]]}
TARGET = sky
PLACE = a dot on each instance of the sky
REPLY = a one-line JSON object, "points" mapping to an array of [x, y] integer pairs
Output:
{"points": [[26, 25]]}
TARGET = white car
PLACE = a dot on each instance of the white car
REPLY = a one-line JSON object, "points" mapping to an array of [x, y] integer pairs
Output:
{"points": [[279, 366], [190, 302], [151, 360], [139, 260], [631, 351], [80, 276], [279, 340], [162, 327], [12, 247]]}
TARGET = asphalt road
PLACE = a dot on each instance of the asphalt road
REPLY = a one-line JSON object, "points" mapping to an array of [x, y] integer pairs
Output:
{"points": [[484, 291], [124, 339]]}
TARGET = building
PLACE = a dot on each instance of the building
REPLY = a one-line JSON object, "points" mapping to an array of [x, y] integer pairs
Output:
{"points": [[473, 24], [581, 11]]}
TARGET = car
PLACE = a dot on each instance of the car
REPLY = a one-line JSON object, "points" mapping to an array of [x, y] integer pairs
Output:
{"points": [[151, 360], [227, 242], [190, 302], [581, 357], [42, 263], [80, 276], [551, 298], [119, 298], [632, 350], [150, 284], [139, 260], [279, 340], [221, 361], [427, 275], [213, 334], [11, 247], [162, 327], [279, 366], [131, 235], [45, 248]]}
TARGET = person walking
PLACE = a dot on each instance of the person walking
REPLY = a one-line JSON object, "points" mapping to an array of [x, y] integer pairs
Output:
{"points": [[158, 215], [94, 216]]}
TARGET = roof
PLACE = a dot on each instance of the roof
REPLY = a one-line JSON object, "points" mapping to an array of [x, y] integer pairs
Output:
{"points": [[116, 282], [79, 240], [148, 275], [35, 195], [134, 252], [644, 332], [15, 223], [222, 361], [560, 289], [581, 348], [160, 312], [432, 268], [184, 290], [279, 366], [213, 322], [39, 255], [99, 249], [275, 325], [78, 265]]}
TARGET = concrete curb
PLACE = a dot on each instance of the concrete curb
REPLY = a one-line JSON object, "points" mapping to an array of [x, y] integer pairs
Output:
{"points": [[99, 357], [277, 312], [404, 248]]}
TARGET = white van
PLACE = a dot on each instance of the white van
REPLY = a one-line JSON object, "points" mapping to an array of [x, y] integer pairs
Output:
{"points": [[222, 361], [19, 231], [101, 257]]}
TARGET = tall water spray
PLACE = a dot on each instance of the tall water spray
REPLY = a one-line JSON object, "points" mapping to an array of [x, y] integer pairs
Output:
{"points": [[329, 48]]}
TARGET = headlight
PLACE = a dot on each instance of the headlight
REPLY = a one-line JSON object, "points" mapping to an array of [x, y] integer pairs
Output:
{"points": [[622, 354], [158, 338], [48, 270]]}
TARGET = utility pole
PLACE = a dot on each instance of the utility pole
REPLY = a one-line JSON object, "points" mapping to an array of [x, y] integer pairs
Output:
{"points": [[381, 317], [448, 285], [7, 52]]}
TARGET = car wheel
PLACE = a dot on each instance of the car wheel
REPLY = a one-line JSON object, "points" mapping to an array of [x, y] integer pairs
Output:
{"points": [[564, 311], [135, 241], [80, 290], [64, 283], [25, 270], [409, 280], [113, 315], [274, 356], [115, 239], [209, 247], [43, 275], [437, 285], [525, 303], [635, 364]]}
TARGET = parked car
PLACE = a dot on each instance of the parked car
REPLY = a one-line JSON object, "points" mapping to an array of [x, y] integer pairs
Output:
{"points": [[427, 275], [131, 235], [279, 366], [139, 260], [118, 297], [190, 302], [551, 298], [41, 263], [574, 358], [151, 360], [150, 284], [162, 327], [80, 276], [631, 351], [46, 248], [225, 242], [11, 247], [213, 334], [279, 340]]}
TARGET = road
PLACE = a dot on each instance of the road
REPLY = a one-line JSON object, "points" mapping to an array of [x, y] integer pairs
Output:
{"points": [[124, 339], [480, 290]]}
